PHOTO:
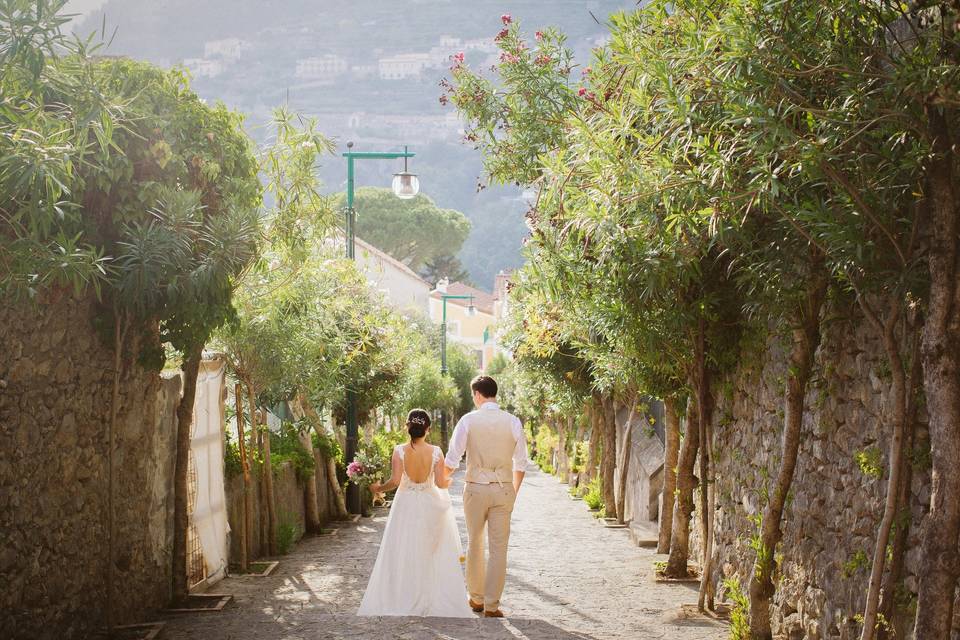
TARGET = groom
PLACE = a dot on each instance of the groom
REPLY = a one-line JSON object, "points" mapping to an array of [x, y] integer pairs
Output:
{"points": [[496, 451]]}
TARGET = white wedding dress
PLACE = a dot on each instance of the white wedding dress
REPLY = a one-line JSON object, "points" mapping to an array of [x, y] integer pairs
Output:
{"points": [[418, 572]]}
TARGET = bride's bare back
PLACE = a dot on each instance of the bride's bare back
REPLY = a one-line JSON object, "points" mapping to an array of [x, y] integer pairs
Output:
{"points": [[418, 461]]}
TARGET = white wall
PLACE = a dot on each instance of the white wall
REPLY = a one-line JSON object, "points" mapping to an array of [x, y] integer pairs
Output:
{"points": [[403, 288]]}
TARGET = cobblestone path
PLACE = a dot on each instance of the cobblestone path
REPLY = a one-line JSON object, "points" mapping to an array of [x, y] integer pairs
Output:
{"points": [[568, 578]]}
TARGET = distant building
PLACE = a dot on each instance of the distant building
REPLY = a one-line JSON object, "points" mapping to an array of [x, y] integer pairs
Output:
{"points": [[405, 290], [203, 68], [450, 42], [363, 70], [442, 127], [407, 65], [476, 332], [228, 49], [326, 67], [486, 45]]}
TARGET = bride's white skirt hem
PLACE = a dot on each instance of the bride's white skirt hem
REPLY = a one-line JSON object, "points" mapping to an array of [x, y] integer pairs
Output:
{"points": [[418, 572]]}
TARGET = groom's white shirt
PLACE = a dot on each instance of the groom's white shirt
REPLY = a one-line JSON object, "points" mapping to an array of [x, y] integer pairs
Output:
{"points": [[458, 442]]}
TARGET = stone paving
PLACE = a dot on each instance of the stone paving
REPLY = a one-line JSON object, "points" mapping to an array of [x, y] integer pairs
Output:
{"points": [[569, 578]]}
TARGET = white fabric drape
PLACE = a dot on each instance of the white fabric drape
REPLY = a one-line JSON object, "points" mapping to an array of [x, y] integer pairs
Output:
{"points": [[206, 444]]}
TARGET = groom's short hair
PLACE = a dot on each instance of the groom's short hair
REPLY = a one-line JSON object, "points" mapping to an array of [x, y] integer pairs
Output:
{"points": [[485, 386]]}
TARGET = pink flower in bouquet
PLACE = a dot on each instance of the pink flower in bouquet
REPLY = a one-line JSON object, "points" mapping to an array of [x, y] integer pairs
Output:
{"points": [[506, 19], [354, 469]]}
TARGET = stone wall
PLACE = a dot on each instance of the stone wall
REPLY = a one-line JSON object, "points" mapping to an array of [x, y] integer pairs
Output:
{"points": [[831, 522], [290, 494], [55, 393], [645, 471]]}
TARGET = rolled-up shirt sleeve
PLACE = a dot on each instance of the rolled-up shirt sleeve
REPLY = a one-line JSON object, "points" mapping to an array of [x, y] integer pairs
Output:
{"points": [[520, 460], [458, 444]]}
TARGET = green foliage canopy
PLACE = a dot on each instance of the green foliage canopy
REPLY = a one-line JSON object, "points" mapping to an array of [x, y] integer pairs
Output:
{"points": [[413, 231]]}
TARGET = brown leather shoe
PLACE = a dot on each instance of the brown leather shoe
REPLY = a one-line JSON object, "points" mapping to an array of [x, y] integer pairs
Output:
{"points": [[477, 608], [493, 614]]}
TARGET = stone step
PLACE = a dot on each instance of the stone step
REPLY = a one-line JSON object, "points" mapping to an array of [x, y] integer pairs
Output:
{"points": [[644, 534]]}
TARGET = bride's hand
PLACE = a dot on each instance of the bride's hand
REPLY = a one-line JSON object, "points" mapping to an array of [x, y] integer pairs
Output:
{"points": [[375, 488]]}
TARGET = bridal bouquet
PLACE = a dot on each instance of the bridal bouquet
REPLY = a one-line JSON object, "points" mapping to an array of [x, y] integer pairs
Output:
{"points": [[365, 469]]}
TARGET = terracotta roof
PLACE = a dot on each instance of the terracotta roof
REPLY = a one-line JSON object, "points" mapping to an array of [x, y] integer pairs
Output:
{"points": [[481, 299]]}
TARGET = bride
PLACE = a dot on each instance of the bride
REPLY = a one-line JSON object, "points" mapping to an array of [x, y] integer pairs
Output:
{"points": [[417, 572]]}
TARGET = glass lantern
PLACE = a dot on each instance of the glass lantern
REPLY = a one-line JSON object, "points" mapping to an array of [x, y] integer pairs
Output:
{"points": [[406, 185]]}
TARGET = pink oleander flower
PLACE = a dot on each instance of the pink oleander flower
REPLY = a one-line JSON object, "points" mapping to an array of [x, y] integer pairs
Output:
{"points": [[509, 58], [582, 92], [538, 35], [542, 59], [503, 34], [586, 71], [506, 19]]}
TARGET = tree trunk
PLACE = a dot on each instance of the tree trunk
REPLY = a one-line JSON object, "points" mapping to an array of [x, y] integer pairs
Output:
{"points": [[686, 482], [246, 521], [608, 455], [670, 454], [625, 455], [575, 431], [939, 564], [336, 491], [271, 496], [898, 398], [563, 465], [312, 511], [267, 472], [311, 505], [263, 539], [806, 339], [891, 584], [181, 521], [593, 453], [705, 410]]}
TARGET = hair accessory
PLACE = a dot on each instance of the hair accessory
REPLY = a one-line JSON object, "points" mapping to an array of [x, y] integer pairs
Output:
{"points": [[418, 420]]}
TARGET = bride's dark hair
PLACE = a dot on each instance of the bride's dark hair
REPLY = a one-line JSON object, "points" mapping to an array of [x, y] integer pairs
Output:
{"points": [[418, 421]]}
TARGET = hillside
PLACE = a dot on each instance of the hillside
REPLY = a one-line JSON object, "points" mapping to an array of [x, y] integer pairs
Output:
{"points": [[368, 69]]}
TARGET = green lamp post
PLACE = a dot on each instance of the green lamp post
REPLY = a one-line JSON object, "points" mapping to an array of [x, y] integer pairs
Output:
{"points": [[471, 311], [405, 186]]}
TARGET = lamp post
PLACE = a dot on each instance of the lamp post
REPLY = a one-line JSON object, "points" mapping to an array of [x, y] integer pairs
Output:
{"points": [[471, 311], [405, 185]]}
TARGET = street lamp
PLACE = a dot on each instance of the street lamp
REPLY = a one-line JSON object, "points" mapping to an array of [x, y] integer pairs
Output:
{"points": [[471, 312], [405, 185]]}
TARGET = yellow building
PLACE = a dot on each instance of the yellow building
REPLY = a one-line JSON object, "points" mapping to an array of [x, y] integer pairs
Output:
{"points": [[476, 331]]}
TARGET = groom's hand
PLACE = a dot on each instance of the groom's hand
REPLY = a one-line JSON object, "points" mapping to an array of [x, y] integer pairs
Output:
{"points": [[518, 480]]}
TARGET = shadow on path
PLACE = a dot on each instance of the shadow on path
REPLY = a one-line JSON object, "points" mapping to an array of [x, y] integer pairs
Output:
{"points": [[569, 578]]}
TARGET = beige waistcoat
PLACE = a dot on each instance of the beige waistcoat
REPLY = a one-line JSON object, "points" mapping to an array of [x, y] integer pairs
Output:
{"points": [[490, 447]]}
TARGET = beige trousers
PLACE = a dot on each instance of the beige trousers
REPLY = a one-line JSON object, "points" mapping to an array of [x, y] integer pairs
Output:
{"points": [[490, 506]]}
